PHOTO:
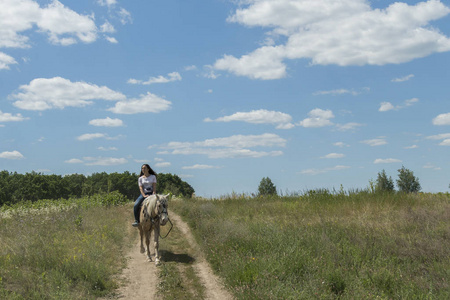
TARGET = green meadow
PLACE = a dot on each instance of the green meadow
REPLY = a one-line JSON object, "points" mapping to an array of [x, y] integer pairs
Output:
{"points": [[66, 249], [327, 246], [318, 245]]}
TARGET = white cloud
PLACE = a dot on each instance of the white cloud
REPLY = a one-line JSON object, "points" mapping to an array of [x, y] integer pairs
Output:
{"points": [[174, 76], [445, 142], [348, 126], [103, 161], [57, 92], [48, 93], [8, 117], [386, 161], [107, 27], [107, 149], [226, 152], [410, 102], [264, 63], [5, 61], [318, 118], [261, 116], [74, 161], [108, 122], [125, 16], [241, 141], [63, 25], [385, 106], [402, 79], [11, 155], [336, 92], [91, 136], [442, 119], [208, 72], [431, 166], [445, 137], [235, 146], [163, 164], [412, 147], [107, 2], [341, 144], [190, 68], [347, 32], [324, 170], [375, 142], [98, 161], [200, 167], [334, 155], [111, 40], [134, 81], [145, 104], [439, 136]]}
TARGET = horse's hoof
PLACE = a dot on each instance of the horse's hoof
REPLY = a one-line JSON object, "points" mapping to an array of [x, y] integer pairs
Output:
{"points": [[157, 262], [149, 259], [142, 250]]}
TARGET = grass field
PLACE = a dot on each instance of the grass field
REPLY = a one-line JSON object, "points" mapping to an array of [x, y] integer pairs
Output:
{"points": [[314, 246], [62, 250], [327, 246]]}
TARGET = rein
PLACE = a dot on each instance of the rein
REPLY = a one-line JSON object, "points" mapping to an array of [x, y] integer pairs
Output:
{"points": [[171, 226]]}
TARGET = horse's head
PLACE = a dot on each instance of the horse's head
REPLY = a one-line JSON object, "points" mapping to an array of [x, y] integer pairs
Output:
{"points": [[162, 206]]}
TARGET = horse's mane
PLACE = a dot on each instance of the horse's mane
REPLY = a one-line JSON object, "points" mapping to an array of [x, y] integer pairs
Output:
{"points": [[149, 204]]}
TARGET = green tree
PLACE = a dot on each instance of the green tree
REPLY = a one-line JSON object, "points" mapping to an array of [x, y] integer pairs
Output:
{"points": [[266, 187], [407, 182], [168, 183], [384, 184]]}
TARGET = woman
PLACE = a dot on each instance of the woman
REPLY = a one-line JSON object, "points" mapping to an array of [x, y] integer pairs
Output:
{"points": [[147, 187]]}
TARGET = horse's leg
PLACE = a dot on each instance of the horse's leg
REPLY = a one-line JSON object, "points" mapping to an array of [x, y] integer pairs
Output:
{"points": [[156, 239], [147, 242], [141, 233]]}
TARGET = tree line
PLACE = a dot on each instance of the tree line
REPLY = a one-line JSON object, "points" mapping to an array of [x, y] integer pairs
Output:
{"points": [[33, 186], [406, 183]]}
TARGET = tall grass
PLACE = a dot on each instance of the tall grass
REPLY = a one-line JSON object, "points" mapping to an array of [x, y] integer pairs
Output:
{"points": [[50, 251], [320, 245]]}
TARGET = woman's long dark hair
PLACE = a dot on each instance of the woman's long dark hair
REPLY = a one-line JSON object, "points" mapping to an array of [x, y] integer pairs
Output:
{"points": [[150, 170]]}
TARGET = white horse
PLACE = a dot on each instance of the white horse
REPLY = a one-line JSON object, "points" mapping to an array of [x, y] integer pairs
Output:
{"points": [[153, 214]]}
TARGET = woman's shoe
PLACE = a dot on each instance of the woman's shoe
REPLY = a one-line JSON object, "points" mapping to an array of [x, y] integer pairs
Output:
{"points": [[135, 224]]}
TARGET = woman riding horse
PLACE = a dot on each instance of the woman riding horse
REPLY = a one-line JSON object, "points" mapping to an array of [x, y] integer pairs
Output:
{"points": [[147, 187]]}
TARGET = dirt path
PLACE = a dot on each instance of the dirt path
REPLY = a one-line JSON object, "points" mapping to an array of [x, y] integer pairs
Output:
{"points": [[141, 277], [213, 285]]}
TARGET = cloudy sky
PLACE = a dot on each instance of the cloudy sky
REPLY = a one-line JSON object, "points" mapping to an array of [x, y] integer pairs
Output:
{"points": [[311, 93]]}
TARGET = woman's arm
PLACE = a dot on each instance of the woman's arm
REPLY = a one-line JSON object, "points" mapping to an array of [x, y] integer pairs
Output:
{"points": [[154, 188], [141, 189]]}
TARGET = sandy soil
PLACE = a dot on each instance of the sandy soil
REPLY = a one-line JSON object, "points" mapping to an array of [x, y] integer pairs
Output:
{"points": [[141, 277]]}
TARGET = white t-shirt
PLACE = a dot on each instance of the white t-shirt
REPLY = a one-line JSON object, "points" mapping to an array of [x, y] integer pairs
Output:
{"points": [[147, 183]]}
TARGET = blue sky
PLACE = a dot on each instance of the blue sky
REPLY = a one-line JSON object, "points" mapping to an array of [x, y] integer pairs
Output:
{"points": [[311, 93]]}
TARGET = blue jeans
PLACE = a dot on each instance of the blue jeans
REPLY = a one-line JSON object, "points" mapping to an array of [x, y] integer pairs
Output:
{"points": [[137, 206]]}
